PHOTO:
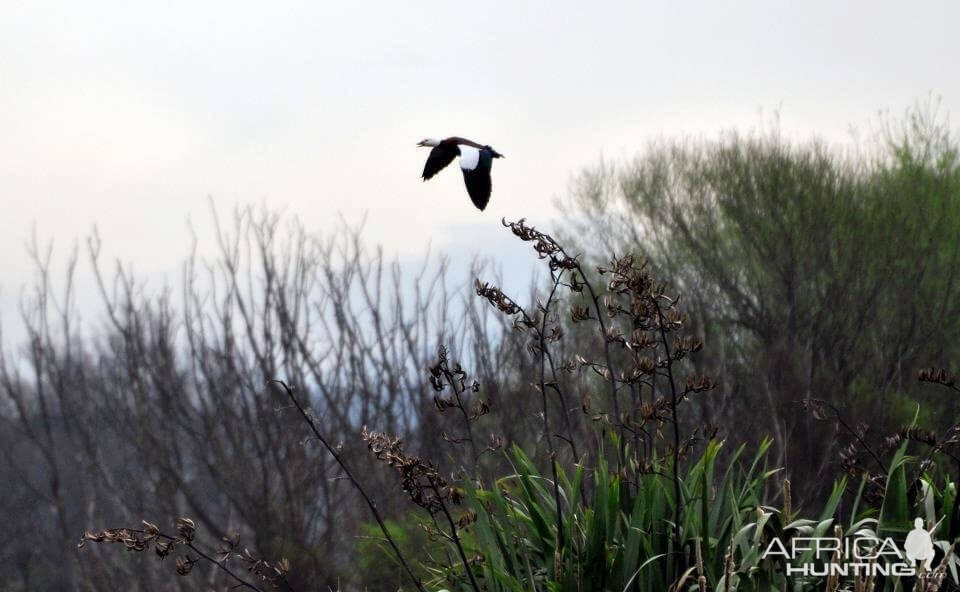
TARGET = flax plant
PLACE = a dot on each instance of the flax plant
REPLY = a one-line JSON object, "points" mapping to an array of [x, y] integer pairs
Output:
{"points": [[639, 499]]}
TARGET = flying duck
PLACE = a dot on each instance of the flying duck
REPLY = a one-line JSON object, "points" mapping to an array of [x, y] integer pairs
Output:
{"points": [[475, 162]]}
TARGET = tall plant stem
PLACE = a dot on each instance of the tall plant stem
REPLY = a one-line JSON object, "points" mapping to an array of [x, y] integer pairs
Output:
{"points": [[452, 381], [608, 358], [678, 547], [370, 503], [563, 405], [546, 415], [456, 538], [545, 353]]}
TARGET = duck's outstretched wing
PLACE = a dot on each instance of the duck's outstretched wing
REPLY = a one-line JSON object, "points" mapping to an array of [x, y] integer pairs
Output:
{"points": [[477, 178], [439, 158]]}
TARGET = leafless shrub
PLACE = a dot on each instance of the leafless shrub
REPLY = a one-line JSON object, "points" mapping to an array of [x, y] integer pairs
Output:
{"points": [[162, 408], [166, 412]]}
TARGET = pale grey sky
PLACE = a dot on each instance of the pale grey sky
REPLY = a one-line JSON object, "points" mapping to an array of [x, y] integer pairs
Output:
{"points": [[129, 114]]}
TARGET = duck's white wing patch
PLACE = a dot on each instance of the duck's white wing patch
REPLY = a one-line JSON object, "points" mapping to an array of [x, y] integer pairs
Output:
{"points": [[469, 157]]}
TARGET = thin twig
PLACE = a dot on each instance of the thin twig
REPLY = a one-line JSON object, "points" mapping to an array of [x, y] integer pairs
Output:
{"points": [[370, 503]]}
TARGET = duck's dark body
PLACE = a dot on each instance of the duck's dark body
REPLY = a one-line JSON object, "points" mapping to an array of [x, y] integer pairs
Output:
{"points": [[476, 161]]}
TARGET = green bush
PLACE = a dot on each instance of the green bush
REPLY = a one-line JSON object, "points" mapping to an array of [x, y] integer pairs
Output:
{"points": [[621, 540]]}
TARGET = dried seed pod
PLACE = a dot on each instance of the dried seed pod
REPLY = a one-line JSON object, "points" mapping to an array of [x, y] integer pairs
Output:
{"points": [[186, 529], [185, 563]]}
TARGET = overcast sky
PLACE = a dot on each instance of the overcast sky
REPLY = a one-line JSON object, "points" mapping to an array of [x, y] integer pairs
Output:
{"points": [[128, 115]]}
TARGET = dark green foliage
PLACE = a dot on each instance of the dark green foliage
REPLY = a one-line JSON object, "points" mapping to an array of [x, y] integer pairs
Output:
{"points": [[375, 567], [621, 540], [812, 273]]}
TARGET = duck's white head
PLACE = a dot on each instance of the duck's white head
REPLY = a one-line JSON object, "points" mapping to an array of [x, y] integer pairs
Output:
{"points": [[429, 142]]}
